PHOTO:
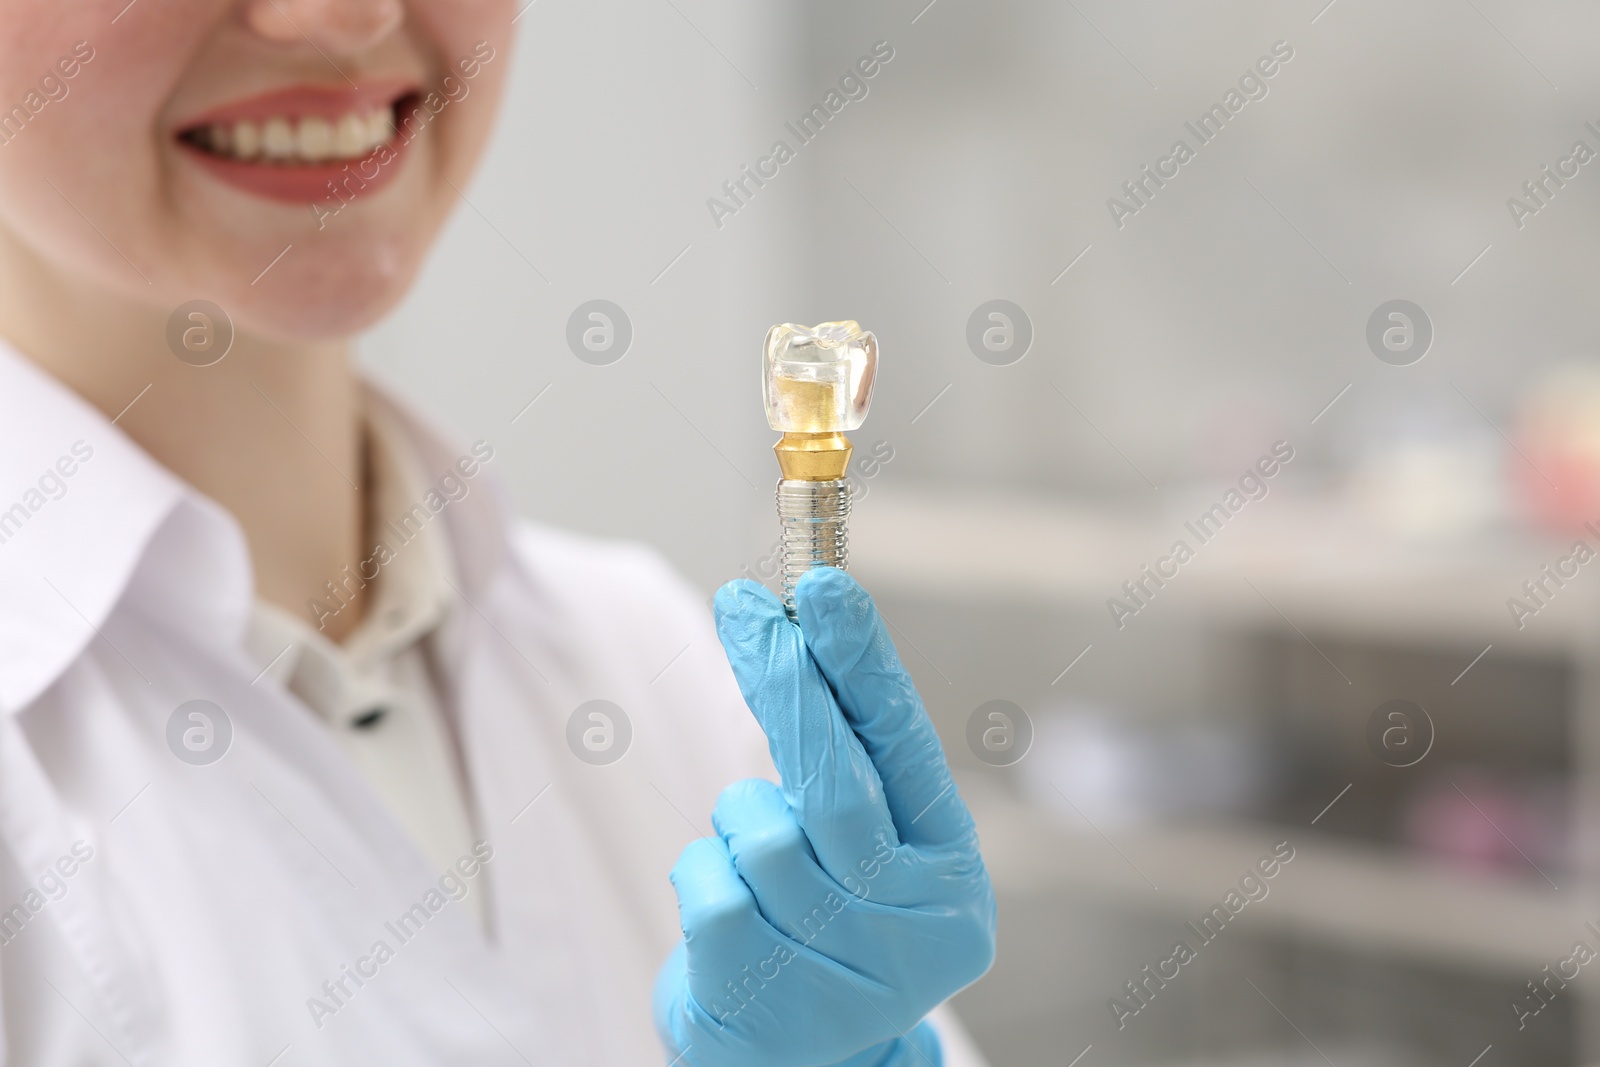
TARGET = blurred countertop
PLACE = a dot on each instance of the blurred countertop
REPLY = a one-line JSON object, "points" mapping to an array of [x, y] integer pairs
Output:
{"points": [[1361, 896], [1314, 563]]}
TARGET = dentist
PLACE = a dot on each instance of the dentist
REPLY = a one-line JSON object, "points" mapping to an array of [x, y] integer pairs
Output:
{"points": [[309, 755]]}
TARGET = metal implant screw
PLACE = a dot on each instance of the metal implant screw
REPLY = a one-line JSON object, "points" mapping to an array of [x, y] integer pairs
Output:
{"points": [[814, 517]]}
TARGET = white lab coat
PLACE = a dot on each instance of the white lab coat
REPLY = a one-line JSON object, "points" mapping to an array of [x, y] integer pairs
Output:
{"points": [[158, 912]]}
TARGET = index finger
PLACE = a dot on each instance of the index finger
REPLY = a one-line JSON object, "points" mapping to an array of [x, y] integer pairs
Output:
{"points": [[827, 777], [850, 643]]}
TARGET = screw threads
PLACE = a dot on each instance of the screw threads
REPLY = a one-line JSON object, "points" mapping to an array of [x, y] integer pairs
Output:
{"points": [[813, 515]]}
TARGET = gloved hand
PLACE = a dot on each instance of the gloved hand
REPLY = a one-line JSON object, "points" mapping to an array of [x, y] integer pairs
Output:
{"points": [[831, 914]]}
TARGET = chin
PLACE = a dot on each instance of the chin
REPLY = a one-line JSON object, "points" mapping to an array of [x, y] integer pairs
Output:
{"points": [[326, 290], [291, 262]]}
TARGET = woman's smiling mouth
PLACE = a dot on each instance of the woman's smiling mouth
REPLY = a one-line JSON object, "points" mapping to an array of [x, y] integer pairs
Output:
{"points": [[291, 145], [310, 140]]}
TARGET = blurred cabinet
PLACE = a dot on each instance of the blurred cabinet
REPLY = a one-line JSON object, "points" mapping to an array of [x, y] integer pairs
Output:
{"points": [[1422, 897]]}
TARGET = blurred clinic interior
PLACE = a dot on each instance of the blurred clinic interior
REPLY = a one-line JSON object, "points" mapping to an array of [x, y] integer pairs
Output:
{"points": [[1162, 348]]}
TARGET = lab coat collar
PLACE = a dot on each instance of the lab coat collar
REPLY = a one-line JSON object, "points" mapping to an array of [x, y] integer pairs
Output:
{"points": [[89, 520], [86, 517], [475, 525], [407, 600]]}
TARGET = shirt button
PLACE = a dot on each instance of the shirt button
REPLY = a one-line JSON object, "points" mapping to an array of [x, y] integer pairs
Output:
{"points": [[369, 719]]}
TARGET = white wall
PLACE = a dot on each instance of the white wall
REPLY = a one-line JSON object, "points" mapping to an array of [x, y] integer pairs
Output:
{"points": [[621, 120]]}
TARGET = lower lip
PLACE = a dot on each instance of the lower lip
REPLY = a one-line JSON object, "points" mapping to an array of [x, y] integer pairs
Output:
{"points": [[306, 183]]}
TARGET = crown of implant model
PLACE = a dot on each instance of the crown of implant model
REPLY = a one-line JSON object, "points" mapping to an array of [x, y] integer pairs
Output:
{"points": [[817, 383]]}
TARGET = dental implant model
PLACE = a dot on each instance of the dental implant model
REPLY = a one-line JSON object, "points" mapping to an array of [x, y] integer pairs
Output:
{"points": [[817, 383]]}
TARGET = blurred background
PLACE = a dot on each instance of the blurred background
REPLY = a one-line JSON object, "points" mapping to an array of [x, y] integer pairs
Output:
{"points": [[1337, 669]]}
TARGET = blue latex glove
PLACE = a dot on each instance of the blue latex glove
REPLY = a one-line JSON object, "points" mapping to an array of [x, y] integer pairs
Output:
{"points": [[831, 914]]}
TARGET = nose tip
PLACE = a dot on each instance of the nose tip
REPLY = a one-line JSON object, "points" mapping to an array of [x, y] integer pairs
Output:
{"points": [[344, 26]]}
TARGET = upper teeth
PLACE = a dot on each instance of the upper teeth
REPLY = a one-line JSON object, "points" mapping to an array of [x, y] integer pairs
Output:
{"points": [[310, 140]]}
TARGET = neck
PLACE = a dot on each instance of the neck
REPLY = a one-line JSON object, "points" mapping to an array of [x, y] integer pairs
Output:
{"points": [[273, 432]]}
